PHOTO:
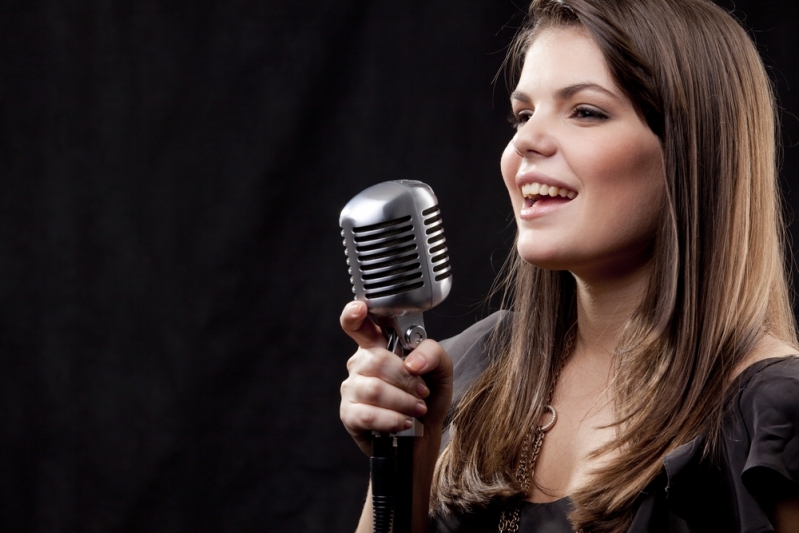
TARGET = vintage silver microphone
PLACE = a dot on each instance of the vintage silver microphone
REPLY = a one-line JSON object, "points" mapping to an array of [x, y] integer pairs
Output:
{"points": [[399, 267], [397, 255]]}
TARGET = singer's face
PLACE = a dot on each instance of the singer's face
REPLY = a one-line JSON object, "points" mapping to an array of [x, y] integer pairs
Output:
{"points": [[584, 171]]}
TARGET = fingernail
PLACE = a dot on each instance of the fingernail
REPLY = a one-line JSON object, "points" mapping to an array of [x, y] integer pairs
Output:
{"points": [[408, 423], [352, 308], [422, 391], [415, 362], [421, 408]]}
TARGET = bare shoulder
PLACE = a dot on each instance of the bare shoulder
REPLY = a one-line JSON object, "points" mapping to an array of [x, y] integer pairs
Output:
{"points": [[766, 348]]}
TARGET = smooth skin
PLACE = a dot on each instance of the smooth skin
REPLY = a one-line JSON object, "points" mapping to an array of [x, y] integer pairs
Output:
{"points": [[575, 128]]}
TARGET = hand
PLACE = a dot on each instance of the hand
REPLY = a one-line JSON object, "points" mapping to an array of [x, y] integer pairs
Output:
{"points": [[383, 392]]}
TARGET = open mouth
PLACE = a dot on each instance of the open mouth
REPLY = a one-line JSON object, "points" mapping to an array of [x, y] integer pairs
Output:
{"points": [[533, 192]]}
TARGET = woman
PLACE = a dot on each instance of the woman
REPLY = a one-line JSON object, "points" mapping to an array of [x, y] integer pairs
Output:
{"points": [[646, 378]]}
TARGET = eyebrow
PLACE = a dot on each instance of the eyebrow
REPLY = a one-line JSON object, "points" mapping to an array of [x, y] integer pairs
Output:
{"points": [[566, 92]]}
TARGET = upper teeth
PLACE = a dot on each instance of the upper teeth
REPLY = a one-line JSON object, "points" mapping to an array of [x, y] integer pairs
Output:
{"points": [[539, 189]]}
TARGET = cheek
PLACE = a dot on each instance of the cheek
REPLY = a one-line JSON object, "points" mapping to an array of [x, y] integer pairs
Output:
{"points": [[509, 165], [628, 171], [630, 185]]}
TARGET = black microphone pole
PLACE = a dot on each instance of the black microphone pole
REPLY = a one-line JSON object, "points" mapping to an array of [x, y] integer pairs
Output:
{"points": [[402, 442], [391, 463]]}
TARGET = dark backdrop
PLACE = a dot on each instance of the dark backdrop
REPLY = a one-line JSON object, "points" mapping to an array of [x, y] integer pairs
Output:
{"points": [[171, 270]]}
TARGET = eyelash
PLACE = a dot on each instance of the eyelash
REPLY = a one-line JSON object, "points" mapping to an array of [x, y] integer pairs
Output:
{"points": [[517, 119], [594, 113], [588, 112]]}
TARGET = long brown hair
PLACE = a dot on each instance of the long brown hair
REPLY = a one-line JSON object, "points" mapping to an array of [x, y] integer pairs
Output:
{"points": [[718, 268]]}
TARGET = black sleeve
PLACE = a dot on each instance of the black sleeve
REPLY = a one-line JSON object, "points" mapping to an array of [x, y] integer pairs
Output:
{"points": [[468, 351], [470, 357], [769, 407]]}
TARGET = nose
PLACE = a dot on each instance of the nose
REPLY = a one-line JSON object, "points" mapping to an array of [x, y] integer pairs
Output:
{"points": [[534, 138]]}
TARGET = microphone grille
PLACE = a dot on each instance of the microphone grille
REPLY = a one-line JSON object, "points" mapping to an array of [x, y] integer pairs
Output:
{"points": [[389, 257], [437, 243], [395, 246]]}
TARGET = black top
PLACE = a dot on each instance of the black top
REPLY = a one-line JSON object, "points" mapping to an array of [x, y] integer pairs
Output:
{"points": [[758, 464]]}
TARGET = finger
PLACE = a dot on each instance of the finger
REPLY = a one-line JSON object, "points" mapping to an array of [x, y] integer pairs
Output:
{"points": [[382, 364], [429, 359], [362, 418], [434, 364], [356, 323], [376, 392]]}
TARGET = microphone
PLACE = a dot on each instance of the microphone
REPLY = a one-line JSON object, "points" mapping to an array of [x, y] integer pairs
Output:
{"points": [[398, 263], [397, 254]]}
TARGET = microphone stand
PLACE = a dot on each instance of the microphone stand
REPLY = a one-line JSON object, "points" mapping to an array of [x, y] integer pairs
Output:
{"points": [[392, 454]]}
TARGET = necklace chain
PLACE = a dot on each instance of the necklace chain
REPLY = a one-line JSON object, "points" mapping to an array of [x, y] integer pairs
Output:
{"points": [[509, 520]]}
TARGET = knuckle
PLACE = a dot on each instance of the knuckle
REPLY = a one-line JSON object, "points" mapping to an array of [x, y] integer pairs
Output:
{"points": [[366, 356], [371, 359], [413, 386], [381, 359], [345, 387], [360, 359], [363, 418], [347, 413], [353, 416], [407, 383], [372, 390], [410, 404], [368, 419], [378, 363]]}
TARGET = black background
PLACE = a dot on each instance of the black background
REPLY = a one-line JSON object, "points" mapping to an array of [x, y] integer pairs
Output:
{"points": [[171, 270]]}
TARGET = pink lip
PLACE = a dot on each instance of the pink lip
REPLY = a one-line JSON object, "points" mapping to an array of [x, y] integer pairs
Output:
{"points": [[542, 207]]}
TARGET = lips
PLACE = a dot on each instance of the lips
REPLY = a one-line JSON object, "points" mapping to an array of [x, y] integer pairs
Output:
{"points": [[542, 195]]}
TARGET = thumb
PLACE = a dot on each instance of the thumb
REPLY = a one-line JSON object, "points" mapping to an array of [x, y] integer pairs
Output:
{"points": [[356, 323]]}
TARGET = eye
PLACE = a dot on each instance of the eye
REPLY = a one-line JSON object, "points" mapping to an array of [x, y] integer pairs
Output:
{"points": [[519, 118], [584, 112]]}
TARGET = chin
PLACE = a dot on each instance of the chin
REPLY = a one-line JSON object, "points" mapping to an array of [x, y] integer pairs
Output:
{"points": [[542, 258]]}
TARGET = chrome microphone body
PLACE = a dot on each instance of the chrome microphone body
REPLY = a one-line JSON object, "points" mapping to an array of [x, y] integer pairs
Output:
{"points": [[397, 255]]}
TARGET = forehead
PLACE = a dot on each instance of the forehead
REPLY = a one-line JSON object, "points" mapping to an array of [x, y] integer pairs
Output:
{"points": [[559, 57]]}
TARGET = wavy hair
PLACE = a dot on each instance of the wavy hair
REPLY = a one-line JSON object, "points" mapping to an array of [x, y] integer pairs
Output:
{"points": [[718, 280]]}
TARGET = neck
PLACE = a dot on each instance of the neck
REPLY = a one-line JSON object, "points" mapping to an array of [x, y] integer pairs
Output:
{"points": [[603, 308]]}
